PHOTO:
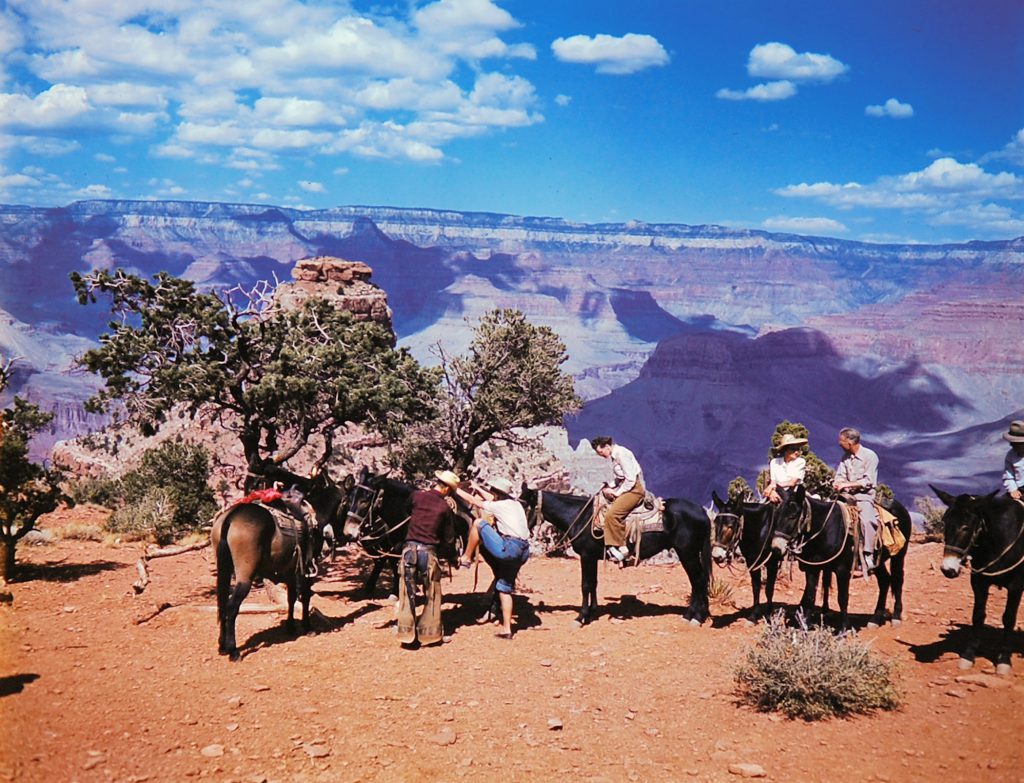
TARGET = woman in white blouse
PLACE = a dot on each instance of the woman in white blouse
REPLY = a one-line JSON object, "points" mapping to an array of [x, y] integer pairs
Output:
{"points": [[787, 469]]}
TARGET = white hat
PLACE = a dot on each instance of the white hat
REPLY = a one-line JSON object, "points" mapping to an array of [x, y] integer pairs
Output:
{"points": [[789, 439], [503, 485]]}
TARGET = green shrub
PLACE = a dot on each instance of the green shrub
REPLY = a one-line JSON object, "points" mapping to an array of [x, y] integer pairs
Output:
{"points": [[168, 495], [151, 515], [103, 491], [811, 673]]}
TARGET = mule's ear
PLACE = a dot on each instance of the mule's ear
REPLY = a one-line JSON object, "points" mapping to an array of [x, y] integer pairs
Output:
{"points": [[719, 503], [945, 497], [348, 482]]}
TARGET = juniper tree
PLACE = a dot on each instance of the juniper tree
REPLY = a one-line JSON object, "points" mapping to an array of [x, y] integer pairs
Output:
{"points": [[510, 378], [27, 489], [281, 379]]}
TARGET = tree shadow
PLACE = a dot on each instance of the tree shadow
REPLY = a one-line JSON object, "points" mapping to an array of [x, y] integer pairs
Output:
{"points": [[64, 572], [15, 683]]}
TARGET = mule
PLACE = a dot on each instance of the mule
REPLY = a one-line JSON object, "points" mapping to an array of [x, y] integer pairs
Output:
{"points": [[814, 532], [687, 532], [988, 530], [377, 518], [249, 543], [748, 527]]}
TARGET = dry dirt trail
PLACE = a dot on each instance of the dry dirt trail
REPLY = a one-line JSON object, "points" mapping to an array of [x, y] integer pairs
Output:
{"points": [[87, 694]]}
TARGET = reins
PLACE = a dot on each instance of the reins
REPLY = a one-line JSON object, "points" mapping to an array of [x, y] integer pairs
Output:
{"points": [[567, 538], [842, 546]]}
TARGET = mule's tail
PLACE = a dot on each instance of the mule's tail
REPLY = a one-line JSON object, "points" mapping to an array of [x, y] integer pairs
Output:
{"points": [[225, 568]]}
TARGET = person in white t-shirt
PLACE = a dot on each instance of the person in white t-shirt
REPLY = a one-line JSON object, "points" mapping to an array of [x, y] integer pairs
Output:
{"points": [[505, 544], [787, 469]]}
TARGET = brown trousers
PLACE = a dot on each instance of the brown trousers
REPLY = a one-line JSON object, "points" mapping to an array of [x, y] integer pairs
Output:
{"points": [[425, 626], [618, 510]]}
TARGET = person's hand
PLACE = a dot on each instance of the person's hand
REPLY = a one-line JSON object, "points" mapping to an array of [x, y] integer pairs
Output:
{"points": [[1016, 494], [608, 493]]}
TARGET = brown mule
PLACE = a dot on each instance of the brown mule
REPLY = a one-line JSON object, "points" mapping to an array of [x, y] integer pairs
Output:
{"points": [[250, 541]]}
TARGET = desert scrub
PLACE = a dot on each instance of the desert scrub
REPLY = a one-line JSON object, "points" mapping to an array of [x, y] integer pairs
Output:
{"points": [[811, 673], [81, 531], [720, 592]]}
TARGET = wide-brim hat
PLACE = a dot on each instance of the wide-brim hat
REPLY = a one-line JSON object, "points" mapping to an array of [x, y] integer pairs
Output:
{"points": [[447, 477], [789, 439], [1016, 432], [502, 485]]}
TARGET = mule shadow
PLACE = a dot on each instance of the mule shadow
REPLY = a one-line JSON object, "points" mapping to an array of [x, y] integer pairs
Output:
{"points": [[319, 624], [957, 639], [469, 609], [15, 683], [64, 572], [624, 607]]}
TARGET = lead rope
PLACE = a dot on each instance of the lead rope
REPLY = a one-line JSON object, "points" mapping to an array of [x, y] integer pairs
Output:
{"points": [[842, 546]]}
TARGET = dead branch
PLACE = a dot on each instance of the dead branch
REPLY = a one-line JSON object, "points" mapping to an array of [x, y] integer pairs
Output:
{"points": [[168, 551], [146, 618]]}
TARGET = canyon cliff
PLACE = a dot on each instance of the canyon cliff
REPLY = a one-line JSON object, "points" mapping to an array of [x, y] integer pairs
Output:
{"points": [[689, 342]]}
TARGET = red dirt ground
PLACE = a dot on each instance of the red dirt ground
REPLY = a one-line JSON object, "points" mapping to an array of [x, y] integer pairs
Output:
{"points": [[89, 694]]}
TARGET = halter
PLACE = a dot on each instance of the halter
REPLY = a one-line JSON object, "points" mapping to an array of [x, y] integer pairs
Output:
{"points": [[368, 519], [730, 550], [979, 527]]}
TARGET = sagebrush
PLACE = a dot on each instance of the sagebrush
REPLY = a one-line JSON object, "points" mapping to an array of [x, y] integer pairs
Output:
{"points": [[812, 673]]}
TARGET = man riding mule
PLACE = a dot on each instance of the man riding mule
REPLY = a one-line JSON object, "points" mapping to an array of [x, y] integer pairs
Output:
{"points": [[857, 477]]}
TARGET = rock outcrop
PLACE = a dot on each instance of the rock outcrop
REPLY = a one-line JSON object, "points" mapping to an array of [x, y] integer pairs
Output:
{"points": [[345, 284]]}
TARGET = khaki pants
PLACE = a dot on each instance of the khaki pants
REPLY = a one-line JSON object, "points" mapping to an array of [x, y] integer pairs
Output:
{"points": [[614, 526], [427, 626]]}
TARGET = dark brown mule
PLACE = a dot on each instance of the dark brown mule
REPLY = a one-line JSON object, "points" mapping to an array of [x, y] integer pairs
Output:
{"points": [[251, 543]]}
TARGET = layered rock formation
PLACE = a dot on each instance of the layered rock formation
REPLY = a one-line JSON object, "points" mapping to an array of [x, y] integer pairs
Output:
{"points": [[902, 321]]}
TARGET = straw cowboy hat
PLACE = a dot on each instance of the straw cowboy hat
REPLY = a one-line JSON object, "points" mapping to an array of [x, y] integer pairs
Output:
{"points": [[447, 477], [502, 485], [1016, 432], [789, 439]]}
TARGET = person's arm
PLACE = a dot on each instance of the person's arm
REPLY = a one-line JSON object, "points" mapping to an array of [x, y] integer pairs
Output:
{"points": [[1010, 475], [870, 472]]}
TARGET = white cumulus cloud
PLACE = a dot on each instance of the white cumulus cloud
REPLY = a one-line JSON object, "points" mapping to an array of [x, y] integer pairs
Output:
{"points": [[610, 54], [781, 61], [311, 187], [891, 108], [770, 91], [54, 108]]}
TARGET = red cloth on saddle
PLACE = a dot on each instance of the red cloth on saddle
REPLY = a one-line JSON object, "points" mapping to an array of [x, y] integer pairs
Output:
{"points": [[261, 496]]}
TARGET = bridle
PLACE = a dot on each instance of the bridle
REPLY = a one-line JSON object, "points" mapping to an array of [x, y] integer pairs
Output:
{"points": [[806, 513], [369, 518], [567, 538], [976, 527], [730, 550]]}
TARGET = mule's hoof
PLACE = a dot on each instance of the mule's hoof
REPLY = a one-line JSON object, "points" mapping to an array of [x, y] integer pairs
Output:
{"points": [[872, 625], [1003, 669], [234, 656], [966, 663], [694, 622], [577, 623], [896, 622]]}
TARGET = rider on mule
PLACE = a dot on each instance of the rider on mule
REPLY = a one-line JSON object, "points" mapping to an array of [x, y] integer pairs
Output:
{"points": [[504, 544], [857, 476], [625, 494], [787, 469], [1013, 465], [431, 524]]}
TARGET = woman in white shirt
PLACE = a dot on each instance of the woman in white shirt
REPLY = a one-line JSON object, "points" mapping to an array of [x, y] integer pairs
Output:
{"points": [[787, 469], [504, 545]]}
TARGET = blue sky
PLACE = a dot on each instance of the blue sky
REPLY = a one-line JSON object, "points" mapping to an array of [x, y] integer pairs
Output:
{"points": [[877, 121]]}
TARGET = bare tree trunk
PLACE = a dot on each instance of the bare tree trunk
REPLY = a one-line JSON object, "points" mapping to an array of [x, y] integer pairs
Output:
{"points": [[7, 544]]}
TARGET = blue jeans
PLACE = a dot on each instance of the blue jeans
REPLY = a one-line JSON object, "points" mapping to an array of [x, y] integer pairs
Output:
{"points": [[504, 554]]}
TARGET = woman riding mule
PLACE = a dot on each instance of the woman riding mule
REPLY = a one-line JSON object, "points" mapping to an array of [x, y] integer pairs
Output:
{"points": [[685, 529]]}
